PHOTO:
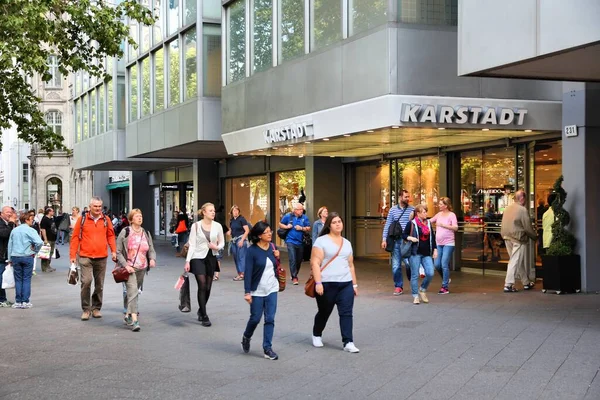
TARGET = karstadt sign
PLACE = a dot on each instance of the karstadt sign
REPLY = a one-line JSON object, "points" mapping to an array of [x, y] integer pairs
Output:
{"points": [[288, 132], [475, 115]]}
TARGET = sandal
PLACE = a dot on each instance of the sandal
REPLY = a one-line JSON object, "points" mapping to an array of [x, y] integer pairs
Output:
{"points": [[216, 278], [239, 278]]}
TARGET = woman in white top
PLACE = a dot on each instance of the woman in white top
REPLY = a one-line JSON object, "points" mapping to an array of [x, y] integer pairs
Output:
{"points": [[206, 239], [332, 265]]}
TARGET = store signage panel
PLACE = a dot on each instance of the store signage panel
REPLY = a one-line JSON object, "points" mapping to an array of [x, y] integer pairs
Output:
{"points": [[475, 115], [571, 131], [288, 132]]}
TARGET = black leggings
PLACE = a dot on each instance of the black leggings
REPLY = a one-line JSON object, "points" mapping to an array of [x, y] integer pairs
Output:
{"points": [[204, 286]]}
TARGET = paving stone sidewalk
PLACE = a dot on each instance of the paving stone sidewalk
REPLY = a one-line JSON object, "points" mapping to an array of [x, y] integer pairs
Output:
{"points": [[476, 343]]}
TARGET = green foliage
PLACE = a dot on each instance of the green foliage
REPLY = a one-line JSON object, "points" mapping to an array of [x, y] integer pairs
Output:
{"points": [[563, 241], [78, 32]]}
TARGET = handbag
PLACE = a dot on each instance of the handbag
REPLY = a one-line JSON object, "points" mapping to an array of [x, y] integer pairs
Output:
{"points": [[309, 286], [181, 227], [186, 247], [120, 274], [282, 233], [174, 240], [406, 246], [280, 272]]}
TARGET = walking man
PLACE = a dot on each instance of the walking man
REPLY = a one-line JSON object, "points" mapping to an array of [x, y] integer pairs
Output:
{"points": [[8, 221], [403, 213], [93, 233], [297, 223], [49, 233], [516, 231]]}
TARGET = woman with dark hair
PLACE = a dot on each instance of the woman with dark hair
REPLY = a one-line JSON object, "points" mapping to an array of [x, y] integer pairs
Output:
{"points": [[239, 231], [332, 265], [261, 286], [445, 226]]}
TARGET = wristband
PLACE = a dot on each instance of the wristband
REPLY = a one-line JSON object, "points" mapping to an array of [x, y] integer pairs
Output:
{"points": [[355, 286]]}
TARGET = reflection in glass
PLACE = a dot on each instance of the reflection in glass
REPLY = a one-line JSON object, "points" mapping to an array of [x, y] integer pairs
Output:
{"points": [[436, 12], [366, 14], [326, 22], [420, 177], [174, 78], [133, 93], [85, 117], [159, 80], [211, 9], [291, 35], [134, 32], [54, 193], [145, 34], [77, 116], [236, 60], [145, 86], [121, 107], [157, 27], [191, 67], [288, 187], [92, 113], [101, 109], [191, 11], [212, 60], [172, 16], [110, 102], [262, 27], [250, 194]]}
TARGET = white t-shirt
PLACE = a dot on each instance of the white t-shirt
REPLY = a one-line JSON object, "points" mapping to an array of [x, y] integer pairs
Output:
{"points": [[339, 269], [268, 282]]}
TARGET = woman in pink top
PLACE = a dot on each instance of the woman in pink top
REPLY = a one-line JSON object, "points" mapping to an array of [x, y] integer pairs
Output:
{"points": [[446, 225]]}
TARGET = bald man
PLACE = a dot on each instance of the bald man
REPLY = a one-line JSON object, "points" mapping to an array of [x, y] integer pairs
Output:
{"points": [[8, 221], [516, 231]]}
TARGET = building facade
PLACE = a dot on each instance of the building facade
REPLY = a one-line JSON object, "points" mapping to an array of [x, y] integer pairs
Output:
{"points": [[15, 171]]}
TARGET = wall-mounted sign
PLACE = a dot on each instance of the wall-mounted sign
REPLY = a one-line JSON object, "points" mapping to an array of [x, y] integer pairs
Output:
{"points": [[176, 186], [288, 132], [475, 115], [571, 131]]}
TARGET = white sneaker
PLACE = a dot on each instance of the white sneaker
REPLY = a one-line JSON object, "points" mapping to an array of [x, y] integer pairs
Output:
{"points": [[17, 305], [26, 305], [317, 341], [351, 348]]}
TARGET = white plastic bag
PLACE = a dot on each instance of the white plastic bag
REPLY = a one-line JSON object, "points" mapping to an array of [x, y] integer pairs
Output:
{"points": [[8, 278], [422, 272], [44, 252], [73, 275]]}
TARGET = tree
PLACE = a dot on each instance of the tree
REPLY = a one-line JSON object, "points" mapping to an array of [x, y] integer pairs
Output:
{"points": [[78, 32]]}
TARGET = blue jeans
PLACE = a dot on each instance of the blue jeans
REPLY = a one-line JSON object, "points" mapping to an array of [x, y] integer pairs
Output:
{"points": [[23, 268], [182, 239], [295, 255], [397, 265], [2, 291], [442, 263], [342, 295], [415, 262], [239, 255], [262, 305]]}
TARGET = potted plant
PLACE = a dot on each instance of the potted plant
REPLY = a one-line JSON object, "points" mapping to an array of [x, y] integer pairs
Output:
{"points": [[562, 268]]}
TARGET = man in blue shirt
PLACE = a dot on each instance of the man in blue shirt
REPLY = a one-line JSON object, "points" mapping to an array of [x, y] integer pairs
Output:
{"points": [[297, 223], [402, 213]]}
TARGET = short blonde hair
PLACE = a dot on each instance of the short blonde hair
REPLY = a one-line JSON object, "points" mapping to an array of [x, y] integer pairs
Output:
{"points": [[76, 208], [132, 214], [320, 211], [203, 208], [420, 207]]}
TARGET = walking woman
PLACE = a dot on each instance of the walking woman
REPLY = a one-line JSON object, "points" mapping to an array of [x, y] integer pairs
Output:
{"points": [[23, 244], [446, 224], [261, 286], [318, 225], [206, 239], [72, 220], [422, 252], [135, 251], [332, 265], [239, 243]]}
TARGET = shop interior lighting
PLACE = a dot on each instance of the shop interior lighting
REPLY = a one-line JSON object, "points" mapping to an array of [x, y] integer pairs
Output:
{"points": [[347, 135], [395, 127], [235, 154], [290, 145], [441, 128], [325, 139], [306, 142], [527, 130], [485, 129], [370, 131]]}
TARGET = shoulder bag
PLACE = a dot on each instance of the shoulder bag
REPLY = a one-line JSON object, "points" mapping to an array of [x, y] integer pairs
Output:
{"points": [[120, 273], [309, 286], [282, 233], [280, 272], [406, 245]]}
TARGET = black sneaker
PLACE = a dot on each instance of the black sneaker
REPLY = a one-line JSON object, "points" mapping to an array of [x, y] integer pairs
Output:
{"points": [[271, 355], [529, 286], [245, 344], [206, 322], [510, 289]]}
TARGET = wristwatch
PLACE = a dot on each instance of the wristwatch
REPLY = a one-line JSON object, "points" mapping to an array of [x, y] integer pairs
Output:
{"points": [[355, 286]]}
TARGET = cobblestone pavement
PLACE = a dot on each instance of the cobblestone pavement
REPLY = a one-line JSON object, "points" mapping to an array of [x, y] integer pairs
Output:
{"points": [[476, 343]]}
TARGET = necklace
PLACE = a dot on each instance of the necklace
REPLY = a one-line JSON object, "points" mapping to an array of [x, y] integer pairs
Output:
{"points": [[136, 231]]}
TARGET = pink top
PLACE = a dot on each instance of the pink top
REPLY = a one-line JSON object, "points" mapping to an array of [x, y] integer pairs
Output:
{"points": [[132, 248], [444, 236]]}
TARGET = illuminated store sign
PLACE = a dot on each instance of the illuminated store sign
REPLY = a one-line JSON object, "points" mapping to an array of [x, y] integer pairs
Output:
{"points": [[421, 113], [288, 132]]}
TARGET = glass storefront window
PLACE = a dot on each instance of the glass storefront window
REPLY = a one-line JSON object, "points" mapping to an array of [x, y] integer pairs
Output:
{"points": [[366, 14], [326, 22], [76, 83], [159, 80], [291, 34], [93, 117], [430, 12], [145, 99], [173, 72], [250, 194], [191, 66], [211, 60], [236, 46], [420, 177], [54, 193], [157, 28], [101, 109], [211, 9], [172, 16], [262, 32], [77, 116], [191, 11], [133, 93], [288, 187]]}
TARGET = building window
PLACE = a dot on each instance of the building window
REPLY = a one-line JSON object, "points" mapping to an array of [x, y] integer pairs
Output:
{"points": [[236, 46], [121, 104], [173, 73], [133, 93], [159, 80], [172, 16], [110, 104], [250, 194], [25, 172], [326, 22], [77, 83], [157, 28], [86, 81], [135, 34], [420, 177], [55, 80], [291, 29], [212, 60], [146, 32], [262, 33], [288, 189], [54, 121], [85, 117], [366, 14], [77, 116], [101, 126], [54, 193], [211, 9], [145, 99], [190, 66], [93, 117], [430, 12], [191, 11]]}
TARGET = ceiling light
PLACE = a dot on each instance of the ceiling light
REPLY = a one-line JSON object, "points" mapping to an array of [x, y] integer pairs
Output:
{"points": [[395, 127], [274, 148], [545, 155], [441, 128], [485, 129], [370, 131], [546, 169], [347, 135], [235, 154], [290, 145], [527, 130], [551, 158], [301, 155], [260, 150], [331, 156], [492, 154], [242, 184], [268, 155], [306, 142], [325, 139]]}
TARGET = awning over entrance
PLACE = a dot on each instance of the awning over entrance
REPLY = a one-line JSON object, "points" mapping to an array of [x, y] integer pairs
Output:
{"points": [[117, 185]]}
